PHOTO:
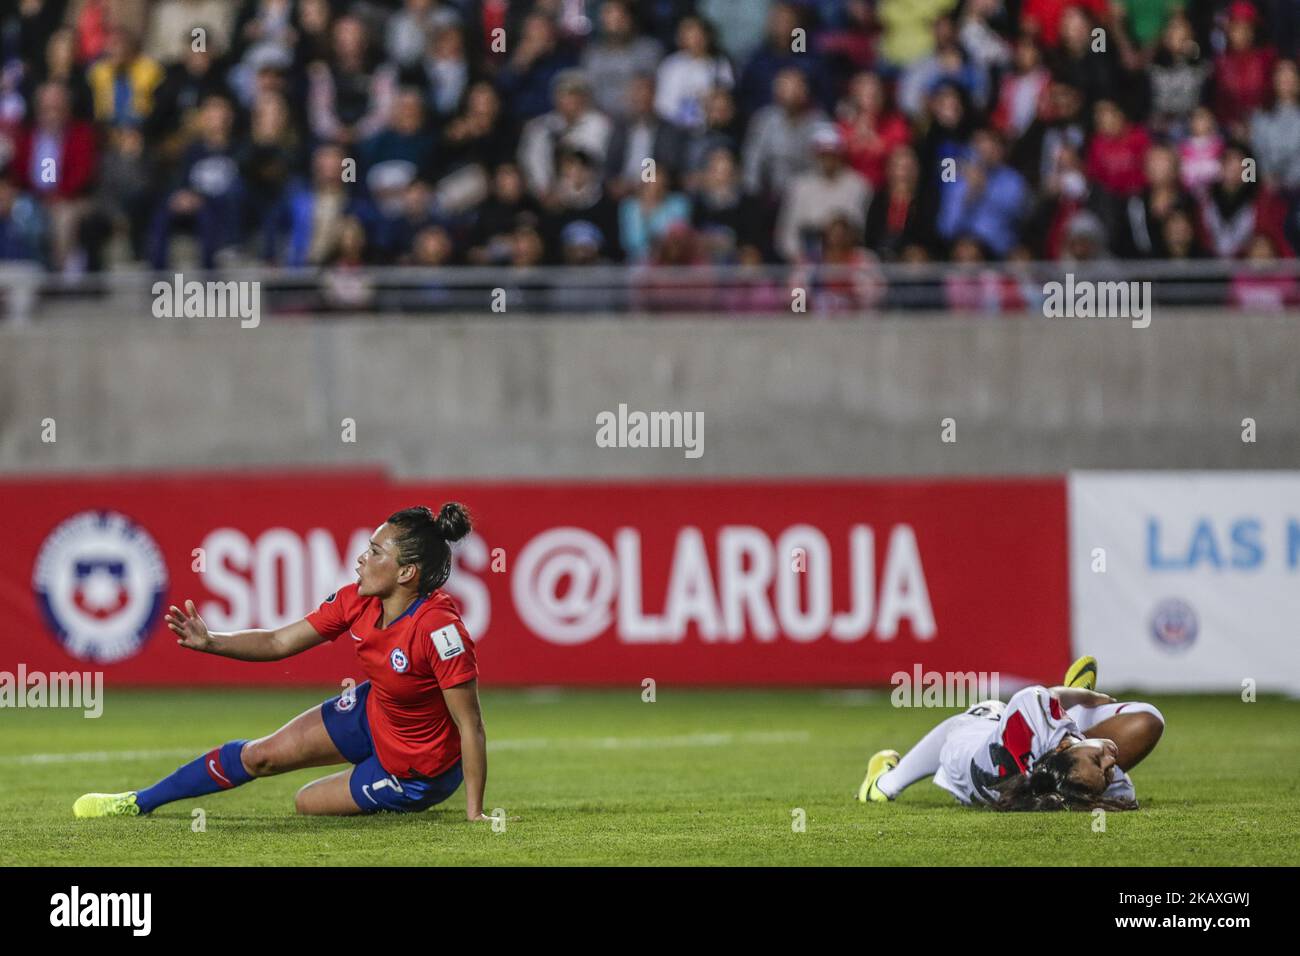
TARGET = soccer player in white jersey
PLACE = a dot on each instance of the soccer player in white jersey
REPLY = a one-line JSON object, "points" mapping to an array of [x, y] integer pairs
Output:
{"points": [[1059, 748]]}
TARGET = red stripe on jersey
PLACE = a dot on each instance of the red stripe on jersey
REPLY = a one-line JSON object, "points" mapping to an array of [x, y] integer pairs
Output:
{"points": [[212, 762], [1055, 708], [1018, 740]]}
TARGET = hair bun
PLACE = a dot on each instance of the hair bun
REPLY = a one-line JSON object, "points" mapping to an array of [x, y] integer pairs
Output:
{"points": [[453, 521]]}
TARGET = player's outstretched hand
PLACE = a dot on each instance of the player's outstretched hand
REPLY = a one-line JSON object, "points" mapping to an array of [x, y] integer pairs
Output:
{"points": [[189, 627]]}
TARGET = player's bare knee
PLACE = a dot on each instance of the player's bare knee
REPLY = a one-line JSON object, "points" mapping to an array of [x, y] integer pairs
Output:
{"points": [[259, 760]]}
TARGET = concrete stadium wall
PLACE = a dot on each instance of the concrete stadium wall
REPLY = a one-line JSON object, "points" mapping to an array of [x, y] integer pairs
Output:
{"points": [[504, 397]]}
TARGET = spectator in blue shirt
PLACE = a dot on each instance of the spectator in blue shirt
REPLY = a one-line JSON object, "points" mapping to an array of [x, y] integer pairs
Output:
{"points": [[526, 80], [209, 194], [776, 54], [988, 200], [646, 217]]}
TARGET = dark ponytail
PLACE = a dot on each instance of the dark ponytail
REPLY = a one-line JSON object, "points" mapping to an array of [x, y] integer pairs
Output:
{"points": [[424, 539], [1049, 786]]}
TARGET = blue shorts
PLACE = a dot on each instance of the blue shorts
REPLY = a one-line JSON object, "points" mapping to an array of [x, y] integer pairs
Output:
{"points": [[374, 788]]}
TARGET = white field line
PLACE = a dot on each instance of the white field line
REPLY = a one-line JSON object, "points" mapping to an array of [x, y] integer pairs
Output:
{"points": [[651, 743], [852, 698], [97, 756], [523, 743]]}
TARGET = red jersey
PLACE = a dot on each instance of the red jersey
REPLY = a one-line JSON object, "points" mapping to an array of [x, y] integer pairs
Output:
{"points": [[1116, 162], [409, 663]]}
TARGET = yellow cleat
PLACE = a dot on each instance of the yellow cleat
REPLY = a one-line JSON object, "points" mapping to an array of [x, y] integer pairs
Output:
{"points": [[1082, 673], [876, 766], [106, 805]]}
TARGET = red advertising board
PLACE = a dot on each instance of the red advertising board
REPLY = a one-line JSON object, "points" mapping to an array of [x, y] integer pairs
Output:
{"points": [[836, 583]]}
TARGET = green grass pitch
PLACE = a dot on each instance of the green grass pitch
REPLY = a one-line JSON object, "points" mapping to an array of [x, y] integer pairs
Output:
{"points": [[600, 777]]}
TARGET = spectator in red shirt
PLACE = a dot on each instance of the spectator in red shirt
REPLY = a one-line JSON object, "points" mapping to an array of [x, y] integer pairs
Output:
{"points": [[871, 131], [1243, 74], [1117, 151], [91, 21], [1043, 17], [54, 159]]}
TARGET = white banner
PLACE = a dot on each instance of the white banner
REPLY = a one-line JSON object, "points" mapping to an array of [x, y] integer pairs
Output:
{"points": [[1187, 581]]}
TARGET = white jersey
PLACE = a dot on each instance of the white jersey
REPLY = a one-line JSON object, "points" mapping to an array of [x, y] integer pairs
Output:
{"points": [[993, 741]]}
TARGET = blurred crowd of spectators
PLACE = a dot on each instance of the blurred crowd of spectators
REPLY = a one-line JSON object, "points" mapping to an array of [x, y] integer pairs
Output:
{"points": [[677, 132]]}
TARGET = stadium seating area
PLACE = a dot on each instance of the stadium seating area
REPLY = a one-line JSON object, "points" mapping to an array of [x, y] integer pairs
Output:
{"points": [[298, 133]]}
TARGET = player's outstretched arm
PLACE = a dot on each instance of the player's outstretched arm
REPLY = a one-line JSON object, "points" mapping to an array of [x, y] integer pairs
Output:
{"points": [[1073, 696], [462, 703], [275, 645]]}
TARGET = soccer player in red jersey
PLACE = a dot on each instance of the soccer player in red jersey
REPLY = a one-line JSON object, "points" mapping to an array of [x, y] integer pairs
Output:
{"points": [[412, 732]]}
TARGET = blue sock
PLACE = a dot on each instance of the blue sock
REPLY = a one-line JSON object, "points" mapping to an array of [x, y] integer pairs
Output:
{"points": [[219, 769]]}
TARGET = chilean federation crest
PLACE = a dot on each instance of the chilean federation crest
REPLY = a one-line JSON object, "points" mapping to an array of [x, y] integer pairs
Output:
{"points": [[1174, 625], [100, 581]]}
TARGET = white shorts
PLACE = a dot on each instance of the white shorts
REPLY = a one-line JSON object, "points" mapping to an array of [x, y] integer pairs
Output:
{"points": [[967, 733]]}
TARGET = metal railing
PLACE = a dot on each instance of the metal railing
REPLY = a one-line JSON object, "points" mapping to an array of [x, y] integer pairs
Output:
{"points": [[842, 291]]}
